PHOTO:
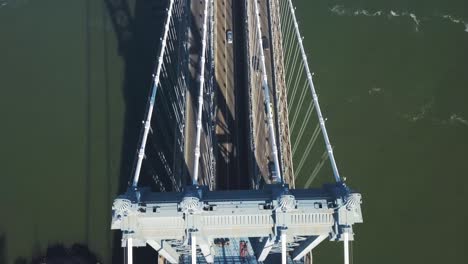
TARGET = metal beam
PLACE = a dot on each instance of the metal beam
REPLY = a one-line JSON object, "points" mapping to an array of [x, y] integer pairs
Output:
{"points": [[265, 246], [250, 213], [165, 250], [206, 249], [239, 214], [307, 246]]}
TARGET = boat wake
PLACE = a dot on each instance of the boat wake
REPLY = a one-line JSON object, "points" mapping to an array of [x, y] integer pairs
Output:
{"points": [[341, 10]]}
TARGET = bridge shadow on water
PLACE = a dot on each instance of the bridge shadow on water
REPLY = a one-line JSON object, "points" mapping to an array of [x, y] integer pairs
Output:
{"points": [[59, 254], [3, 254], [138, 36]]}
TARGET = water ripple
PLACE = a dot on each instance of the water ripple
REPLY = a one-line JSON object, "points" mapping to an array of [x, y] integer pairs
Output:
{"points": [[340, 10], [454, 118]]}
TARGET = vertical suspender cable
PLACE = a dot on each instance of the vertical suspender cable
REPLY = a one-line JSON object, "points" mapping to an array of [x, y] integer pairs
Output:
{"points": [[315, 97], [283, 248], [194, 248], [200, 97], [129, 251], [346, 247], [152, 99]]}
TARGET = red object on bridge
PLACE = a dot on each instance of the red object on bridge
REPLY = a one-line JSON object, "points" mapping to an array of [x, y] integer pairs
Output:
{"points": [[243, 249]]}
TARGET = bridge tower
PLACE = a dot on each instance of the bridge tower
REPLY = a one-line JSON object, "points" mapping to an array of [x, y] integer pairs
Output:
{"points": [[273, 221]]}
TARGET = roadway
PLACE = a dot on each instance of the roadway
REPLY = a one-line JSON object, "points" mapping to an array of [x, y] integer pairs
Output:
{"points": [[262, 149], [231, 96], [234, 84]]}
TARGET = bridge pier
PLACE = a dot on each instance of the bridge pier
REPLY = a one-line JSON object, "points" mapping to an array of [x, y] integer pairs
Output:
{"points": [[283, 246], [193, 243], [129, 251], [161, 219]]}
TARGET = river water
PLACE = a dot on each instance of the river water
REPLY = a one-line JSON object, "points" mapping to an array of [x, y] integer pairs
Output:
{"points": [[393, 83]]}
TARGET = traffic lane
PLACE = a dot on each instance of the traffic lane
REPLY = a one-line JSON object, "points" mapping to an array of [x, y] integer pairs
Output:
{"points": [[264, 21], [240, 94], [230, 98], [224, 78]]}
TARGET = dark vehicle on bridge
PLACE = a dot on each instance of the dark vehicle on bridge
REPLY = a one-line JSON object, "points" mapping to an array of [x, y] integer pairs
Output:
{"points": [[255, 63], [265, 43]]}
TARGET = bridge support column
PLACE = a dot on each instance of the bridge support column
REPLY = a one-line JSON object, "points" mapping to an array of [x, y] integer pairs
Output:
{"points": [[264, 248], [346, 247], [165, 250], [283, 247], [194, 249], [129, 251], [307, 246]]}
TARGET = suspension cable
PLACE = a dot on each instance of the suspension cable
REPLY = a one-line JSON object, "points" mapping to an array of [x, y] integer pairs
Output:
{"points": [[308, 149], [152, 98], [303, 127], [200, 96], [301, 100]]}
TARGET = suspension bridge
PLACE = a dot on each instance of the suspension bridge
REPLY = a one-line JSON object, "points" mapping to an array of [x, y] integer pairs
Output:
{"points": [[232, 123]]}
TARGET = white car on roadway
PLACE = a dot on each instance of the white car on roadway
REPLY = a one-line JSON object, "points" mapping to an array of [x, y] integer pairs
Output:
{"points": [[229, 36]]}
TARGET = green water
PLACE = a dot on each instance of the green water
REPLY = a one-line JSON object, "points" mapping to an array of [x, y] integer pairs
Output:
{"points": [[395, 94], [396, 97], [61, 107]]}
